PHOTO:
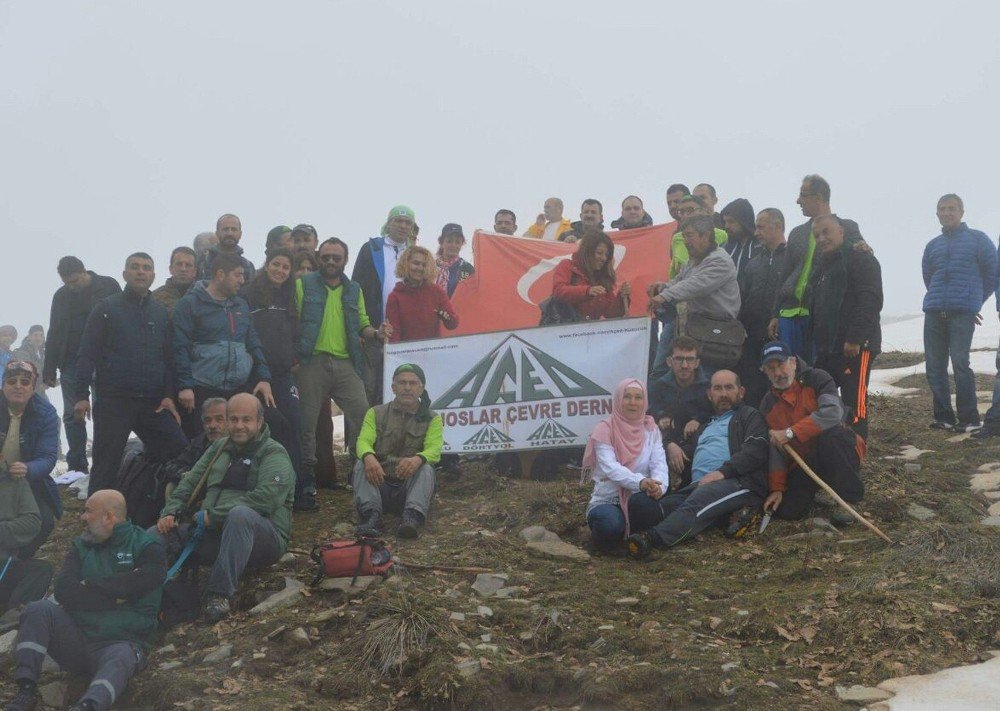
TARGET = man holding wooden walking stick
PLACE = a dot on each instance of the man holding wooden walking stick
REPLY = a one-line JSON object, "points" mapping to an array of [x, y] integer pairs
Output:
{"points": [[804, 411]]}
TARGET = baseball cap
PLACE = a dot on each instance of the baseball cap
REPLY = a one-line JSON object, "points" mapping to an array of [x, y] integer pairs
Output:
{"points": [[452, 229], [307, 229], [775, 350]]}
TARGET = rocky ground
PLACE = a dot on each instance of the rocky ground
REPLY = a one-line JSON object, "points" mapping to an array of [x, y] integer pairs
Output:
{"points": [[779, 620]]}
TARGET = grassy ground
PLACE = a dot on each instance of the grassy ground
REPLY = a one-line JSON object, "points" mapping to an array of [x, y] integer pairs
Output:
{"points": [[797, 611]]}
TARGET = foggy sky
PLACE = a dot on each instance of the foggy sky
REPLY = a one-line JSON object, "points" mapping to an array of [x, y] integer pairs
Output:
{"points": [[132, 126]]}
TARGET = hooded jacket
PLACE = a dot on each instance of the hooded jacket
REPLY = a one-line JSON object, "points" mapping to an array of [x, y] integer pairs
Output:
{"points": [[208, 257], [741, 210], [846, 301], [215, 343], [960, 270], [619, 224], [67, 320], [39, 436]]}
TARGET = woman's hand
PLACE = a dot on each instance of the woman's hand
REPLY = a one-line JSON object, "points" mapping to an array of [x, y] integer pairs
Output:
{"points": [[596, 291], [626, 289]]}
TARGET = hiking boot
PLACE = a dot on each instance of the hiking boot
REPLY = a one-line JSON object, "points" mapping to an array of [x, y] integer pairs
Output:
{"points": [[963, 427], [640, 545], [26, 698], [941, 425], [216, 608], [841, 518], [370, 523], [306, 503], [742, 522], [985, 432], [412, 521]]}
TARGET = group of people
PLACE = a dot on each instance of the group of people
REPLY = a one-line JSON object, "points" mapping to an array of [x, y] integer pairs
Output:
{"points": [[226, 374]]}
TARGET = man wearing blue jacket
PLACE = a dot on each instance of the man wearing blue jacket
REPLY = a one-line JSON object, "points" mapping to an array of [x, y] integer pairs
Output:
{"points": [[125, 352], [960, 273]]}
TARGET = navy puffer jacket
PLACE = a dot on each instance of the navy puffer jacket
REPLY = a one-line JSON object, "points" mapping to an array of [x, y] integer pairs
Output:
{"points": [[960, 271]]}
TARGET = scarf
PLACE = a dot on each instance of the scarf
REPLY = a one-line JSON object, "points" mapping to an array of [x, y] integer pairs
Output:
{"points": [[444, 271]]}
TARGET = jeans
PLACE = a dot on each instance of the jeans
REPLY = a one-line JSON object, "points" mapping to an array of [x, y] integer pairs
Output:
{"points": [[76, 431], [607, 521], [664, 347], [950, 334]]}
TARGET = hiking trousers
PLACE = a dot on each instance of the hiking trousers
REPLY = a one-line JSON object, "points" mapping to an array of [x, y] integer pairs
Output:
{"points": [[852, 376], [694, 508], [413, 493], [835, 460], [25, 581], [47, 628], [322, 378]]}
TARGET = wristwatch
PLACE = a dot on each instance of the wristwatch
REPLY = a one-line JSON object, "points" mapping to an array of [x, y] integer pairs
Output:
{"points": [[789, 434]]}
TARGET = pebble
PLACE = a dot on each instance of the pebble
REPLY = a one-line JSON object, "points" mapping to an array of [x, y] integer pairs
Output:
{"points": [[487, 647], [627, 601], [259, 655], [167, 666], [743, 613], [920, 513], [486, 637], [457, 616], [169, 649], [559, 550], [223, 651], [281, 599], [991, 521], [470, 667], [300, 637], [526, 636], [605, 628], [729, 666], [54, 693], [538, 533], [7, 642], [489, 583], [484, 611], [287, 558]]}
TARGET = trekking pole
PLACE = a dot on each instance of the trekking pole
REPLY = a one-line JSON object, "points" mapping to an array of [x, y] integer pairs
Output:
{"points": [[3, 573], [836, 497], [193, 499]]}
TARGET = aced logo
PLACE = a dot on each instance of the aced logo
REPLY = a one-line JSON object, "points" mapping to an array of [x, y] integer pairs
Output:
{"points": [[551, 433], [516, 371], [488, 437]]}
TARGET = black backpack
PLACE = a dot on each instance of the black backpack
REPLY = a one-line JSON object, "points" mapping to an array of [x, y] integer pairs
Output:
{"points": [[141, 482]]}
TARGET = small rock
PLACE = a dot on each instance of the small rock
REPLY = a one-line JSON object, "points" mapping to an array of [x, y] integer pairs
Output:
{"points": [[994, 509], [488, 583], [505, 593], [49, 664], [7, 642], [453, 594], [605, 628], [287, 558], [526, 636], [644, 590], [284, 598], [911, 467], [54, 693], [992, 495], [650, 625], [822, 523], [463, 645], [324, 616], [729, 666], [558, 550], [223, 651], [167, 666], [468, 668], [169, 649], [457, 616], [771, 684], [259, 655], [343, 585], [237, 664], [554, 616], [743, 613], [484, 611], [486, 637], [487, 647], [991, 521], [627, 601], [861, 694], [959, 437], [538, 533], [694, 623], [850, 541], [920, 513], [300, 637]]}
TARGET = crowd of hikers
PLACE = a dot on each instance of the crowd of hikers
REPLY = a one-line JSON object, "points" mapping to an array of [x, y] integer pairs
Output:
{"points": [[227, 374]]}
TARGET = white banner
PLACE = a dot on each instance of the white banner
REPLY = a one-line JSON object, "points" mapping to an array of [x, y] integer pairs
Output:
{"points": [[536, 388]]}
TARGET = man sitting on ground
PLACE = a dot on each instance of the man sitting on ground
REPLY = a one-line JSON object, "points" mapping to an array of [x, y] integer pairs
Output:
{"points": [[213, 419], [399, 444], [728, 471], [109, 595], [803, 410], [244, 504]]}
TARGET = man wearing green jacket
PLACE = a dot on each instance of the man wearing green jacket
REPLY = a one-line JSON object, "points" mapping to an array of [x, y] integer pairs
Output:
{"points": [[109, 592], [399, 444], [241, 492]]}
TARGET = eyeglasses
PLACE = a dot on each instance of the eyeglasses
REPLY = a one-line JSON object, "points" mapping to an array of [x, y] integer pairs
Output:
{"points": [[331, 257], [684, 360]]}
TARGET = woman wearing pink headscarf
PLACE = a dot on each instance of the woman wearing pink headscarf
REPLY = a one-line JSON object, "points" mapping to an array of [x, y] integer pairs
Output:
{"points": [[626, 460]]}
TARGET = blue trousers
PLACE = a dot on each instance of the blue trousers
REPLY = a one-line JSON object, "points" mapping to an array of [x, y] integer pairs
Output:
{"points": [[950, 335], [607, 521]]}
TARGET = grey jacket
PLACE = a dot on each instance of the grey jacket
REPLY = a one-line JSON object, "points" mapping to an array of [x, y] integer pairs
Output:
{"points": [[708, 288]]}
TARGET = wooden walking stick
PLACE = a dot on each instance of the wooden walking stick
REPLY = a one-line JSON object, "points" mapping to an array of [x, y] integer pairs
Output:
{"points": [[836, 497]]}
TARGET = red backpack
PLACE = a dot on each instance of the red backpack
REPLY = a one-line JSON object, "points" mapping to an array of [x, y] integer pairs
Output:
{"points": [[351, 558]]}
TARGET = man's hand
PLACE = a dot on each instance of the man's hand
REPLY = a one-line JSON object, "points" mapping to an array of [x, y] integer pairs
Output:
{"points": [[384, 332], [540, 220], [651, 487], [778, 438], [81, 411], [444, 315], [168, 405], [374, 472], [665, 423], [657, 301], [676, 457], [655, 288], [597, 291], [773, 501], [851, 350], [166, 524], [772, 329], [569, 238], [710, 477], [691, 427], [407, 466], [18, 470], [263, 389], [186, 398]]}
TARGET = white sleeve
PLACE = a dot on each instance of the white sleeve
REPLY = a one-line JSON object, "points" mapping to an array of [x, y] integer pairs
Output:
{"points": [[609, 469], [658, 468]]}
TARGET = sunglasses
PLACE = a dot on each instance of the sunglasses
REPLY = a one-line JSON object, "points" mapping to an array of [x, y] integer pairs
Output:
{"points": [[331, 258]]}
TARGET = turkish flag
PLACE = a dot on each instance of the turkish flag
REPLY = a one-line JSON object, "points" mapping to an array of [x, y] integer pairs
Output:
{"points": [[514, 274]]}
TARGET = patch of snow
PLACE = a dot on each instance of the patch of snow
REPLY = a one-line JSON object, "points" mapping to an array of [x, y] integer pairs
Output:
{"points": [[967, 688]]}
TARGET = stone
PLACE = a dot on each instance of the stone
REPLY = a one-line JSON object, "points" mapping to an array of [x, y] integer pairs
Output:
{"points": [[506, 593], [54, 693], [605, 628], [920, 513], [911, 467], [994, 509], [694, 623], [49, 665], [453, 594], [992, 495], [743, 613], [457, 616], [167, 666], [343, 585], [558, 550], [343, 530], [300, 637], [823, 524], [484, 611], [169, 649], [487, 648], [223, 651], [287, 558], [991, 521], [469, 667], [861, 694], [259, 655], [729, 666], [488, 583], [650, 625], [988, 467], [486, 637], [463, 645], [324, 616], [985, 481], [537, 533], [526, 636], [281, 599], [627, 601], [7, 642]]}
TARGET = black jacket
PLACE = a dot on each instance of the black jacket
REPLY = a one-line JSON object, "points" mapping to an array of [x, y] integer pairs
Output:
{"points": [[619, 223], [798, 247], [204, 267], [681, 405], [276, 323], [127, 341], [760, 283], [67, 320], [175, 469], [846, 300], [749, 449], [367, 277]]}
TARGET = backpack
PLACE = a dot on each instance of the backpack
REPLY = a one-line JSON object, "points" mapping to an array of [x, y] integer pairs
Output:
{"points": [[351, 558], [141, 482], [555, 312]]}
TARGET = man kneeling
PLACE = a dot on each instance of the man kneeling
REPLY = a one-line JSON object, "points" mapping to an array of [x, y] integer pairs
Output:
{"points": [[242, 490], [399, 444], [728, 471], [109, 595]]}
